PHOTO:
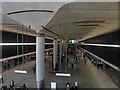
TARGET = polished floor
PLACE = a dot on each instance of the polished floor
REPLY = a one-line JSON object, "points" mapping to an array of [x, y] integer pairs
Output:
{"points": [[87, 75]]}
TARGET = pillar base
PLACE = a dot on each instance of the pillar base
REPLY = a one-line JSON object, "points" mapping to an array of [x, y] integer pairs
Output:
{"points": [[41, 85]]}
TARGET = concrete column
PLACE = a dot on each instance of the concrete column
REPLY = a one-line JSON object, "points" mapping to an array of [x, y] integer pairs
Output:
{"points": [[55, 53], [66, 56], [64, 47], [60, 52], [40, 57], [65, 53]]}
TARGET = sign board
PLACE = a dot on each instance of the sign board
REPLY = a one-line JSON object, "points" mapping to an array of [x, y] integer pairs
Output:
{"points": [[53, 85]]}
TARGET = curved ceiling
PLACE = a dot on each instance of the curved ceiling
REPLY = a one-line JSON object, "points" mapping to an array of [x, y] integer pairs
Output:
{"points": [[75, 20], [83, 20], [33, 19]]}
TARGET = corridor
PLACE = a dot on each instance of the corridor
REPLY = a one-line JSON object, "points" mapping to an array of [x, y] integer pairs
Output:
{"points": [[87, 75]]}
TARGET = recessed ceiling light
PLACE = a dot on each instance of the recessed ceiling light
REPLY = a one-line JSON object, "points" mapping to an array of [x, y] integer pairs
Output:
{"points": [[20, 71]]}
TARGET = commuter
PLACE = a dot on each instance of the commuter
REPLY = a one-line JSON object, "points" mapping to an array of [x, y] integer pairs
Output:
{"points": [[2, 79], [72, 65], [101, 65], [24, 87], [94, 63], [67, 61], [34, 69], [98, 65], [85, 60], [76, 85], [12, 84], [67, 86], [4, 87]]}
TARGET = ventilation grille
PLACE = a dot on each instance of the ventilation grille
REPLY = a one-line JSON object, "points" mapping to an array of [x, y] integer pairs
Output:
{"points": [[91, 21]]}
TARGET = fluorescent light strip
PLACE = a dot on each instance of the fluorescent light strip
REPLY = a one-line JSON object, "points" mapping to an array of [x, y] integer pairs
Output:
{"points": [[63, 74], [20, 71], [111, 65], [104, 45], [10, 44], [13, 57], [48, 49], [48, 43]]}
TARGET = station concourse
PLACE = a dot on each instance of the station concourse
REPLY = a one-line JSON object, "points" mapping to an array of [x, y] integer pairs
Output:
{"points": [[48, 45]]}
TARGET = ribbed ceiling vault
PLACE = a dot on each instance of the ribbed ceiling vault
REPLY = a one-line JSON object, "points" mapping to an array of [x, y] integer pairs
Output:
{"points": [[76, 20]]}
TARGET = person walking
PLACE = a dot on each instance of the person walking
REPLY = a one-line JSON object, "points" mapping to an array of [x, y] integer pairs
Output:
{"points": [[72, 65], [85, 60], [67, 61], [98, 64], [76, 85], [24, 87], [1, 79], [12, 84], [67, 86]]}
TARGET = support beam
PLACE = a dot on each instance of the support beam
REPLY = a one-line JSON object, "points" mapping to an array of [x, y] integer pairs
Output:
{"points": [[40, 57]]}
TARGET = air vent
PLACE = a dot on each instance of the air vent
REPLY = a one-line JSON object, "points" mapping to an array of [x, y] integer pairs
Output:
{"points": [[89, 25], [9, 24], [91, 21]]}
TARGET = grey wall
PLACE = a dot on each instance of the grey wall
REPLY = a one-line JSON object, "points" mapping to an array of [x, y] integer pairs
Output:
{"points": [[110, 54], [9, 37]]}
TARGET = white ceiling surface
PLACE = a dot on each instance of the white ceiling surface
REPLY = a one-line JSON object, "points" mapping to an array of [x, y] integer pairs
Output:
{"points": [[11, 25], [34, 19], [60, 0], [63, 22]]}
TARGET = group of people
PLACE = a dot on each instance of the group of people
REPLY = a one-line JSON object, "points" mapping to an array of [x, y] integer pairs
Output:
{"points": [[75, 87], [75, 61], [99, 64], [12, 86]]}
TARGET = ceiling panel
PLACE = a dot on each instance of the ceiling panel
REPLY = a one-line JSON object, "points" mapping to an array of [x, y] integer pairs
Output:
{"points": [[75, 20], [83, 18]]}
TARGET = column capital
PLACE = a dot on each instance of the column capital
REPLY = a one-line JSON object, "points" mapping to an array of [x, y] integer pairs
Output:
{"points": [[55, 38], [40, 34]]}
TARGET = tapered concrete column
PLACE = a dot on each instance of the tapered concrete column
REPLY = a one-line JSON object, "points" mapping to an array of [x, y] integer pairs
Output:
{"points": [[60, 52], [64, 47], [55, 53], [40, 57]]}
